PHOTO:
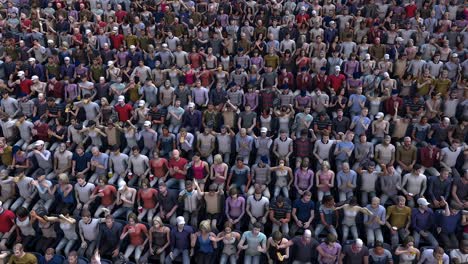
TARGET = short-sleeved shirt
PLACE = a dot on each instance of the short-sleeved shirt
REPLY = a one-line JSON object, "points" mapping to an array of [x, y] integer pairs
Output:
{"points": [[380, 259], [7, 219], [239, 175], [81, 162], [354, 257], [304, 252], [258, 207], [303, 210], [280, 212]]}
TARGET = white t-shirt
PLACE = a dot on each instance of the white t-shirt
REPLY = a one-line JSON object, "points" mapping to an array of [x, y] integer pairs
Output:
{"points": [[258, 207]]}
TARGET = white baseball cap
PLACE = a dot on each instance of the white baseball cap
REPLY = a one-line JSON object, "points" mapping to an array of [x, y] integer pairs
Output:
{"points": [[39, 143], [147, 123], [50, 41], [379, 115], [263, 130], [367, 56], [121, 98], [66, 58], [122, 185], [337, 68], [109, 63], [191, 104], [21, 73], [180, 220], [115, 29], [386, 56], [35, 77], [423, 201], [141, 103], [164, 45], [31, 59], [132, 47]]}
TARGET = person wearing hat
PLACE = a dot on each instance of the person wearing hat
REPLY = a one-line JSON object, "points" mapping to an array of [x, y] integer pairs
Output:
{"points": [[192, 119], [422, 222], [337, 79], [181, 242], [67, 69], [124, 110], [126, 197], [24, 84], [35, 68]]}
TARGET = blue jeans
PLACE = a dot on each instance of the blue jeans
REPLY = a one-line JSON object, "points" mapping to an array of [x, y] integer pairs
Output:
{"points": [[232, 259], [429, 238], [252, 259], [175, 183], [176, 252]]}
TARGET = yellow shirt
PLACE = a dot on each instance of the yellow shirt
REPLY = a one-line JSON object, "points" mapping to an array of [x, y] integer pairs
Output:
{"points": [[398, 217]]}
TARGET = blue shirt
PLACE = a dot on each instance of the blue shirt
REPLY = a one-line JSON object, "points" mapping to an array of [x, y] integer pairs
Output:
{"points": [[181, 240], [357, 99], [422, 221], [359, 128], [55, 260], [81, 161], [303, 210], [343, 177], [344, 145]]}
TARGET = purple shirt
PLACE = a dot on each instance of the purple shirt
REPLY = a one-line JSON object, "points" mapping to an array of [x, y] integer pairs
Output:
{"points": [[235, 208], [334, 251], [303, 179]]}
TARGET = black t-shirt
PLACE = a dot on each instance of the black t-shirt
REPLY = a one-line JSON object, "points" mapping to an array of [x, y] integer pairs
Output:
{"points": [[352, 257], [304, 252]]}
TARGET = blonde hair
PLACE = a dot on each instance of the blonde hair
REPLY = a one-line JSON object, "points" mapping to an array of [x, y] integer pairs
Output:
{"points": [[159, 220], [325, 164], [64, 178], [205, 225], [218, 159]]}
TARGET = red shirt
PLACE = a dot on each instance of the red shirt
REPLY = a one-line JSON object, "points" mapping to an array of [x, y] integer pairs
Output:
{"points": [[136, 234], [336, 81], [180, 164], [159, 167], [302, 18], [42, 132], [109, 192], [428, 159], [124, 112], [57, 90], [116, 40], [390, 105], [148, 197], [25, 86], [410, 10], [120, 16], [7, 220]]}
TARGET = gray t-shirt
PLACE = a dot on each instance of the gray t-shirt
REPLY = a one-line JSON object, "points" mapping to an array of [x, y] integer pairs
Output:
{"points": [[119, 162], [247, 119], [353, 257], [63, 159], [380, 259]]}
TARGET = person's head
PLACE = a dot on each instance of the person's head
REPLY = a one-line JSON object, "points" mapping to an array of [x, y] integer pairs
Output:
{"points": [[375, 202], [22, 213], [103, 180], [307, 196], [325, 165], [464, 246], [18, 250], [331, 239], [63, 178], [257, 227], [401, 201], [180, 221], [239, 162], [280, 201], [233, 192], [358, 244], [162, 187], [175, 154], [132, 219], [379, 248], [205, 226], [86, 215], [72, 257], [423, 204], [277, 237], [49, 254], [109, 220], [408, 242]]}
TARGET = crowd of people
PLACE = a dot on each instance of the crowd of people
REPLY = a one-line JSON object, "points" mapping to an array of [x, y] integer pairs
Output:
{"points": [[269, 131]]}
